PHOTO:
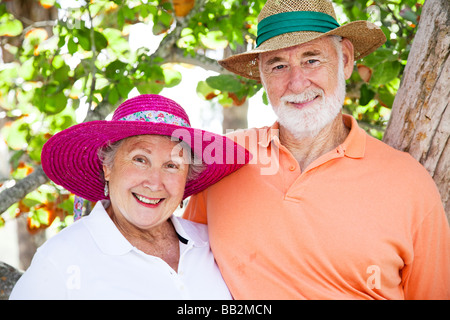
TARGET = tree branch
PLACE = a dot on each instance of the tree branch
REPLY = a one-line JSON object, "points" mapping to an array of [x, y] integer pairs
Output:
{"points": [[166, 45], [22, 187], [177, 56]]}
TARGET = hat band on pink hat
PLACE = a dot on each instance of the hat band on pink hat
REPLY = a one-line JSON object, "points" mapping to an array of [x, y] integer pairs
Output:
{"points": [[155, 116]]}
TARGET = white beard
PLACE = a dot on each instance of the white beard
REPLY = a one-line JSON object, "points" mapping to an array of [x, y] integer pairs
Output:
{"points": [[309, 121]]}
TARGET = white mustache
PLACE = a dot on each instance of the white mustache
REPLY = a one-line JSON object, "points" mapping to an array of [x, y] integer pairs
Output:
{"points": [[302, 97]]}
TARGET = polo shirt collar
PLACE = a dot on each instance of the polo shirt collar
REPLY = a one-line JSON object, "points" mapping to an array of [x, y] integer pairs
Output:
{"points": [[190, 232], [272, 135], [354, 145], [112, 242]]}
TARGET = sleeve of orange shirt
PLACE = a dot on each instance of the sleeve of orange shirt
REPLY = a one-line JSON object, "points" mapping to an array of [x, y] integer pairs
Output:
{"points": [[196, 209], [428, 276]]}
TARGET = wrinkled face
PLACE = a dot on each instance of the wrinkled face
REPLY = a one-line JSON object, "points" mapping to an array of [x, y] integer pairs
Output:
{"points": [[306, 83], [147, 179]]}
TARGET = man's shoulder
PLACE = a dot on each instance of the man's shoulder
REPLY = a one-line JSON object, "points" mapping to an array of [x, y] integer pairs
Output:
{"points": [[246, 132], [250, 138], [381, 150], [400, 165]]}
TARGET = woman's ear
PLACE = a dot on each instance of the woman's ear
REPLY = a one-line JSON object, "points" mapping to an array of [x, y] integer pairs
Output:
{"points": [[348, 56], [106, 172]]}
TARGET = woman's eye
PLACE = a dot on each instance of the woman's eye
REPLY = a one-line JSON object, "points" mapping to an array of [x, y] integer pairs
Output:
{"points": [[172, 166], [140, 159]]}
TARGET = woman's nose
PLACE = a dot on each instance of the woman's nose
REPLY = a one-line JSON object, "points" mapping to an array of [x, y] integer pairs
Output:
{"points": [[153, 180]]}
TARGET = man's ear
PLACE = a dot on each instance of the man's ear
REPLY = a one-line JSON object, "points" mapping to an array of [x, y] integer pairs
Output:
{"points": [[348, 56]]}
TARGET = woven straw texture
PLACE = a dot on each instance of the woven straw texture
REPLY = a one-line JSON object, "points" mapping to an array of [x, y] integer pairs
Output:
{"points": [[365, 36], [70, 158]]}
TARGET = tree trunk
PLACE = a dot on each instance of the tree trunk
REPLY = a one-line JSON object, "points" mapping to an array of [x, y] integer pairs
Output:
{"points": [[28, 12], [235, 117], [420, 119], [8, 278]]}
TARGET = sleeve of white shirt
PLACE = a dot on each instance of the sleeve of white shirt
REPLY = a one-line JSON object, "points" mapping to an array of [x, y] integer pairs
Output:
{"points": [[42, 281]]}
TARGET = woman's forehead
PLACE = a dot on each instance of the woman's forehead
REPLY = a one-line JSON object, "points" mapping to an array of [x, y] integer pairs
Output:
{"points": [[154, 143]]}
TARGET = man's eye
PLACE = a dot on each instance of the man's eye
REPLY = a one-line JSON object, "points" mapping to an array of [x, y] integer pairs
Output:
{"points": [[312, 61], [279, 67]]}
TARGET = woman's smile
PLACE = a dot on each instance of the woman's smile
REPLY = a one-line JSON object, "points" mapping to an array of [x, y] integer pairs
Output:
{"points": [[148, 202]]}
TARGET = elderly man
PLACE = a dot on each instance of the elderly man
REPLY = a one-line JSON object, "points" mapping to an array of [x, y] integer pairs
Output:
{"points": [[344, 216]]}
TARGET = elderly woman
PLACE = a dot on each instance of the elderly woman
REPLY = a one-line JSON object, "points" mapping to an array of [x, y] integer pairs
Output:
{"points": [[139, 167]]}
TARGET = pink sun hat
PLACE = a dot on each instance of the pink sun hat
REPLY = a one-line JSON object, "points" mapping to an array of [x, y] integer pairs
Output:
{"points": [[70, 157]]}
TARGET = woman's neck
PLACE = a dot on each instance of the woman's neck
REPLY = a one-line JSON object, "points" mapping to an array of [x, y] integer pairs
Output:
{"points": [[160, 241]]}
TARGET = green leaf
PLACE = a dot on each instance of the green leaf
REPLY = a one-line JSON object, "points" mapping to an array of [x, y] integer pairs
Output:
{"points": [[115, 70], [379, 56], [385, 72], [61, 74], [409, 15], [116, 41], [67, 205], [113, 95], [72, 46], [165, 18], [365, 95], [205, 91], [16, 135], [124, 87], [150, 87], [35, 148], [84, 39], [385, 96], [58, 62], [214, 40], [225, 83], [27, 70], [172, 77], [9, 26], [54, 103], [120, 19], [100, 41], [47, 3]]}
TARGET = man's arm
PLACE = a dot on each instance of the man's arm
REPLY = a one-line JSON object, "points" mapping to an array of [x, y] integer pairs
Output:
{"points": [[196, 208], [428, 277]]}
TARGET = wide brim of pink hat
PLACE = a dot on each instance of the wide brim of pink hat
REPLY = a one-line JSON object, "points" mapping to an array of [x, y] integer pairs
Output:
{"points": [[70, 158]]}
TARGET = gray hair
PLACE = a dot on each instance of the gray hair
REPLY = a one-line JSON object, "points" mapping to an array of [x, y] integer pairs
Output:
{"points": [[108, 153]]}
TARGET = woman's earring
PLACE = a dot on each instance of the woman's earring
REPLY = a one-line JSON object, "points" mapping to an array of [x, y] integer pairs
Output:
{"points": [[181, 204], [106, 190]]}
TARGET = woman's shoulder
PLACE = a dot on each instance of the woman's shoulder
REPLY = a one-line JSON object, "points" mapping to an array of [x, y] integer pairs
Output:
{"points": [[68, 239], [198, 232]]}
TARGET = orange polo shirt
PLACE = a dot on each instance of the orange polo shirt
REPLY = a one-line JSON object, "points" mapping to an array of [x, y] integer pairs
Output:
{"points": [[364, 221]]}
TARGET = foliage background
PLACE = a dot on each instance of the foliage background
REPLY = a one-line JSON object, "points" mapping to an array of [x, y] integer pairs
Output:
{"points": [[51, 68]]}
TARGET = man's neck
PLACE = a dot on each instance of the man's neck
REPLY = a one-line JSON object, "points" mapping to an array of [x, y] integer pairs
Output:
{"points": [[306, 150]]}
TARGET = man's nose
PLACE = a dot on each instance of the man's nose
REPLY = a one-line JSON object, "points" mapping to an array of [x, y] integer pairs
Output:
{"points": [[298, 80]]}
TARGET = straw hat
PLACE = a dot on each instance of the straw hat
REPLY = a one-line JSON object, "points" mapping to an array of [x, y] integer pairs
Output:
{"points": [[70, 157], [287, 23]]}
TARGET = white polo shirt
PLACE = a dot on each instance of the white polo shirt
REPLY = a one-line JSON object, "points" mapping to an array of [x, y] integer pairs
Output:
{"points": [[91, 259]]}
